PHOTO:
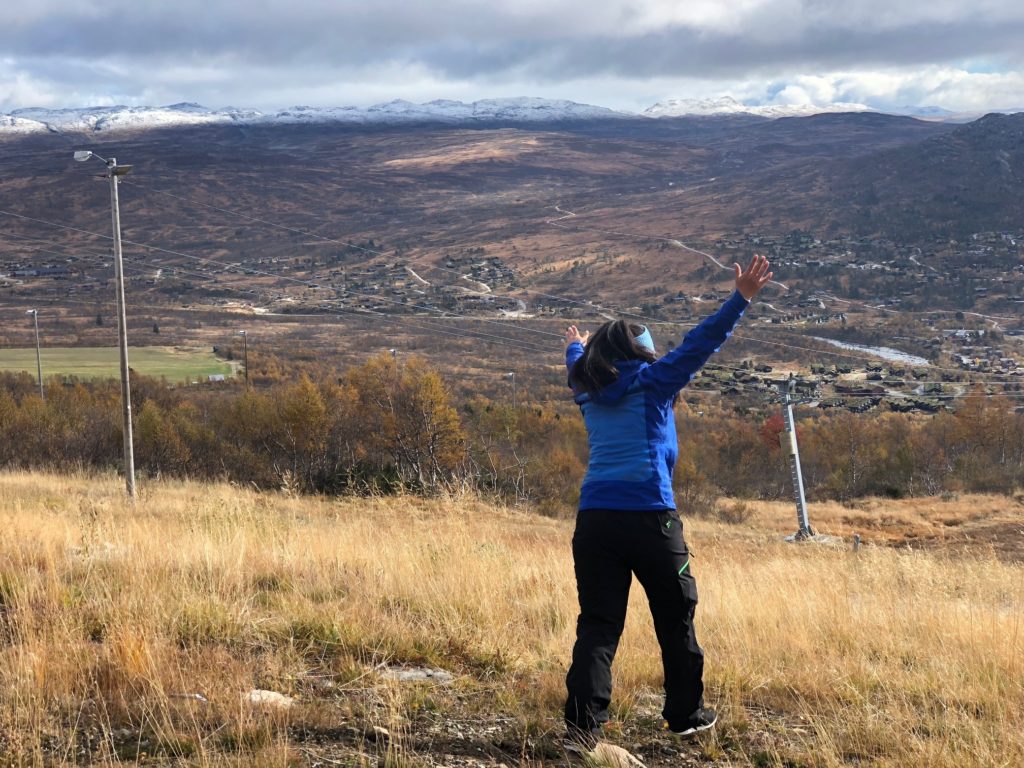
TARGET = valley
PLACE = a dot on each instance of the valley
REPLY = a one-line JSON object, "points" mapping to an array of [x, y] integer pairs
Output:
{"points": [[457, 242]]}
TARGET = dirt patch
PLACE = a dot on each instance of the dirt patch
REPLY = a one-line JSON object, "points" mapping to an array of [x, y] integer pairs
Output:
{"points": [[450, 737], [1001, 538]]}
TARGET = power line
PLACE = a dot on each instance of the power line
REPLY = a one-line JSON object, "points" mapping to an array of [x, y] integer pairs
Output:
{"points": [[567, 214], [670, 240], [431, 327], [225, 267], [193, 201], [346, 244], [570, 214], [589, 305], [306, 283], [417, 262], [89, 255]]}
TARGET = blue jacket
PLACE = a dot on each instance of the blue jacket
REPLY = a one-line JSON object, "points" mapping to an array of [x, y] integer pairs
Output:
{"points": [[630, 423]]}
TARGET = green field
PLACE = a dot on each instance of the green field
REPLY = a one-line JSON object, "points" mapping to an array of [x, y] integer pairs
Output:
{"points": [[176, 364]]}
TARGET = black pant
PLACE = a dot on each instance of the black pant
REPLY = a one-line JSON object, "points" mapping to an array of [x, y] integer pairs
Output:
{"points": [[608, 547]]}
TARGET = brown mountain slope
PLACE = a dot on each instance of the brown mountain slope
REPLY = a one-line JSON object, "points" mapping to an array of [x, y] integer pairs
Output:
{"points": [[421, 194], [953, 184]]}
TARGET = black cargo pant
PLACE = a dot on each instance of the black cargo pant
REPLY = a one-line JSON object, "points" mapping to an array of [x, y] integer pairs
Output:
{"points": [[608, 547]]}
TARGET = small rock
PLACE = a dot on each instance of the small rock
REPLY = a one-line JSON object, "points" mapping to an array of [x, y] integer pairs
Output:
{"points": [[409, 674], [269, 698], [606, 755]]}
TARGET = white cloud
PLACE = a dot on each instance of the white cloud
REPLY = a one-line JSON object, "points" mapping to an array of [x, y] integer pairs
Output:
{"points": [[948, 87], [624, 54], [18, 88]]}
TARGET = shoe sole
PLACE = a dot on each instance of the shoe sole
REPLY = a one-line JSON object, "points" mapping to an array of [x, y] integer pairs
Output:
{"points": [[695, 729]]}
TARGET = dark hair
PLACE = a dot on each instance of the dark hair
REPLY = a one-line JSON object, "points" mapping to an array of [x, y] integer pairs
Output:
{"points": [[613, 341]]}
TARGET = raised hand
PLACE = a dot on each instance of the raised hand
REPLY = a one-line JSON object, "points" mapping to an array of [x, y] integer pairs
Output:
{"points": [[572, 334], [751, 280]]}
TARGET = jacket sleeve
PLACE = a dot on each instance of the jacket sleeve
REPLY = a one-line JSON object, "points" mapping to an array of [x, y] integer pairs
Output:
{"points": [[669, 374], [573, 352]]}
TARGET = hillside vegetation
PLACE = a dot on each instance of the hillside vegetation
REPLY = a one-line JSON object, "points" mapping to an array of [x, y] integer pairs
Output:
{"points": [[386, 426], [136, 633]]}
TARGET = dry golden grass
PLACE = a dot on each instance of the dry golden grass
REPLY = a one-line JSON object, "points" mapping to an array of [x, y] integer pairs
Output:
{"points": [[113, 617]]}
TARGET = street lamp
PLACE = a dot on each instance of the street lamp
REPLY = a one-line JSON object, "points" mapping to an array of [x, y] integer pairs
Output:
{"points": [[39, 362], [113, 171], [512, 376], [245, 355]]}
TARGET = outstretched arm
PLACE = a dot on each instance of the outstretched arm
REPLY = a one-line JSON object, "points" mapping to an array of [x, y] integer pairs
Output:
{"points": [[574, 343], [673, 371]]}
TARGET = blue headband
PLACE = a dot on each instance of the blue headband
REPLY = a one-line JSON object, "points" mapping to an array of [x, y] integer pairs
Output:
{"points": [[644, 339]]}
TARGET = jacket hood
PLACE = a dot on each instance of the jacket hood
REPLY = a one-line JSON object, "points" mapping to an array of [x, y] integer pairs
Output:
{"points": [[628, 370]]}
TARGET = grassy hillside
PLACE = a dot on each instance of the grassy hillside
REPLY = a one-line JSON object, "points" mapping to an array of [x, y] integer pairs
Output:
{"points": [[135, 634]]}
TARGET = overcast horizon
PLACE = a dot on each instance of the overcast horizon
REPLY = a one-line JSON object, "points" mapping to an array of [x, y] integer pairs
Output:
{"points": [[622, 55]]}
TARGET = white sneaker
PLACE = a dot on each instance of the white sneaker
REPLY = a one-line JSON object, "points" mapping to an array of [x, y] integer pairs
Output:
{"points": [[701, 720]]}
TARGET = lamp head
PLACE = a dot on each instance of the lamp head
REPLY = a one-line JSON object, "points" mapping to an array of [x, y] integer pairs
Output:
{"points": [[82, 155], [31, 311]]}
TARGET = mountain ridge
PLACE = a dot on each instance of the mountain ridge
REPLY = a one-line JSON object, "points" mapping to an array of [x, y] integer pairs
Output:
{"points": [[727, 105], [398, 111], [520, 110]]}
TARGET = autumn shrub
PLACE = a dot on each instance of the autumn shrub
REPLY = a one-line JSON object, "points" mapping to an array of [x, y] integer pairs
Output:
{"points": [[389, 426], [734, 513]]}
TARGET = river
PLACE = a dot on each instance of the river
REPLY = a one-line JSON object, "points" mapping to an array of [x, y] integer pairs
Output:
{"points": [[885, 353]]}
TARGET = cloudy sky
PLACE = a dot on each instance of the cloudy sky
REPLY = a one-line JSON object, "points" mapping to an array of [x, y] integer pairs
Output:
{"points": [[624, 54]]}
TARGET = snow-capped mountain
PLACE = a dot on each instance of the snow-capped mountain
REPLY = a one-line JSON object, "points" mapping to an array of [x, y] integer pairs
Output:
{"points": [[94, 119], [12, 124], [519, 110], [100, 119], [726, 105]]}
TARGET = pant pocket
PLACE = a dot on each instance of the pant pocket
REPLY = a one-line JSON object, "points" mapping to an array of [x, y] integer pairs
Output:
{"points": [[687, 582], [669, 524]]}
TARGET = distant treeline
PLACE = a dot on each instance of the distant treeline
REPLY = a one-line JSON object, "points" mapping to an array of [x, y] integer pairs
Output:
{"points": [[390, 425]]}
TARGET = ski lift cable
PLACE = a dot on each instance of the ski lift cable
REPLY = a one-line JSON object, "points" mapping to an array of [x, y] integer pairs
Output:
{"points": [[132, 263], [553, 222], [473, 334], [234, 266], [306, 233], [309, 283]]}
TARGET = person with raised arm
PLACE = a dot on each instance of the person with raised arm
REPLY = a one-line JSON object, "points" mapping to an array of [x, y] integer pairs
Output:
{"points": [[627, 523]]}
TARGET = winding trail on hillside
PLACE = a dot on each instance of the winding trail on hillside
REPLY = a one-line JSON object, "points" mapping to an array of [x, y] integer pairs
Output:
{"points": [[415, 276], [926, 266], [669, 240]]}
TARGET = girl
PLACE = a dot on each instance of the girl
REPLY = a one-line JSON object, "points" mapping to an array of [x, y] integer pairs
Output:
{"points": [[627, 521]]}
